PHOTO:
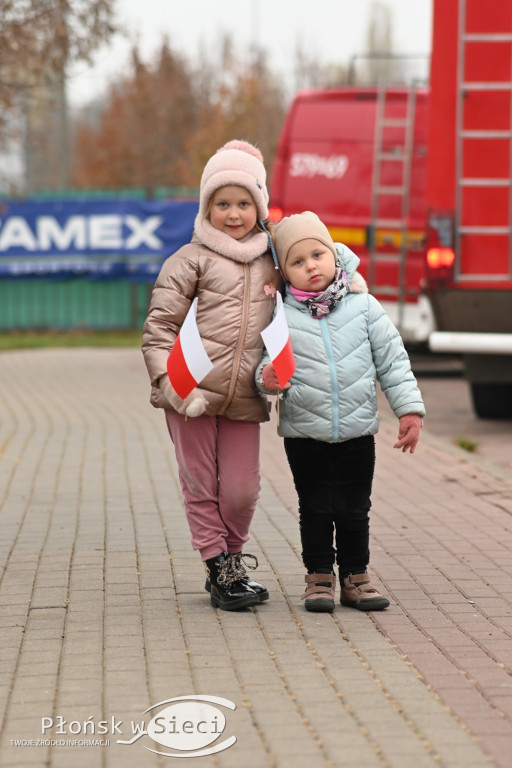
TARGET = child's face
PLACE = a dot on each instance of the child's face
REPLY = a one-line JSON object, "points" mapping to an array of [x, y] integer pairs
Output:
{"points": [[233, 211], [310, 265]]}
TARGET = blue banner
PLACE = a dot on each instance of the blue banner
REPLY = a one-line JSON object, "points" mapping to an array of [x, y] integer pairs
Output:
{"points": [[94, 238]]}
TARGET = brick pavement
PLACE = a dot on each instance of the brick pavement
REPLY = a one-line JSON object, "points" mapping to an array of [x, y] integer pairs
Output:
{"points": [[103, 612]]}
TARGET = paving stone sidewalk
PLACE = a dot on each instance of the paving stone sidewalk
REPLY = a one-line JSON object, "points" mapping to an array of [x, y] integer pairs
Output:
{"points": [[103, 613]]}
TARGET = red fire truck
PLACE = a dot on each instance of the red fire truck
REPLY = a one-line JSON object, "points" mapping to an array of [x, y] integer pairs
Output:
{"points": [[469, 195], [357, 157], [418, 183]]}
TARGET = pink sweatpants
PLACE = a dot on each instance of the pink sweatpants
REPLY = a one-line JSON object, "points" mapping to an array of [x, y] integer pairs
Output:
{"points": [[218, 461]]}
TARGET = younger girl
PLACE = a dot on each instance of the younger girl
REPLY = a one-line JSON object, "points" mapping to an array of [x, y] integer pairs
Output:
{"points": [[228, 267], [343, 342]]}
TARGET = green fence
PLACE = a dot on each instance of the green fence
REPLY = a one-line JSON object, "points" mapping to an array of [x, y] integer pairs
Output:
{"points": [[71, 304], [75, 303]]}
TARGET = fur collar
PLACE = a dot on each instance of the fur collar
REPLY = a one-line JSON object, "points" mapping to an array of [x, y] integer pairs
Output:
{"points": [[358, 284], [243, 251]]}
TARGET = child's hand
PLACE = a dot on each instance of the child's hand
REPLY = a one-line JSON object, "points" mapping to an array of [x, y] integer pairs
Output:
{"points": [[270, 381], [193, 405], [409, 432]]}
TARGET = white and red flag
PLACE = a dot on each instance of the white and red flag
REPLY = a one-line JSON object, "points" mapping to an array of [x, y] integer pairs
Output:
{"points": [[188, 362], [276, 338]]}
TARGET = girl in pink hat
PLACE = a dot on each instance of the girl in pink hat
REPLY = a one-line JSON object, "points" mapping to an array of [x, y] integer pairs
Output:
{"points": [[229, 268]]}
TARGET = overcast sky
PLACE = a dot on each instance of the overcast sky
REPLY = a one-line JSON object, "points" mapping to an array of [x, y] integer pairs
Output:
{"points": [[330, 30]]}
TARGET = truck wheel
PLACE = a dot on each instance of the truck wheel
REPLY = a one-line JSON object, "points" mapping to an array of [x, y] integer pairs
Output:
{"points": [[492, 401]]}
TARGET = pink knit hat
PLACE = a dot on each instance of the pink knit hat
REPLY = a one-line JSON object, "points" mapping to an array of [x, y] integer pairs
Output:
{"points": [[238, 163]]}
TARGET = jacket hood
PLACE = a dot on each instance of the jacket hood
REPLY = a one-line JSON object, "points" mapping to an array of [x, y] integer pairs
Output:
{"points": [[349, 263]]}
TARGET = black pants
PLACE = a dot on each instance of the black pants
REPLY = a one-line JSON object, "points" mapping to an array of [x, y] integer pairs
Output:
{"points": [[334, 484]]}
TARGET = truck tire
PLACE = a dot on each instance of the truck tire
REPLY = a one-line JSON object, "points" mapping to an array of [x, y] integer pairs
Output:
{"points": [[492, 401]]}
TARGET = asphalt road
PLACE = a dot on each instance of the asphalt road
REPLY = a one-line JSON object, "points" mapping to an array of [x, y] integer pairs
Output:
{"points": [[450, 413]]}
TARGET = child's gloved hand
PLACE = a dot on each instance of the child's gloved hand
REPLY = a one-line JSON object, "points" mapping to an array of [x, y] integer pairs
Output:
{"points": [[269, 378], [409, 432], [193, 405]]}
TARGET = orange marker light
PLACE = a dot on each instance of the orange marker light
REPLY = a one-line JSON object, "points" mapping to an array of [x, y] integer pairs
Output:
{"points": [[275, 213], [440, 257]]}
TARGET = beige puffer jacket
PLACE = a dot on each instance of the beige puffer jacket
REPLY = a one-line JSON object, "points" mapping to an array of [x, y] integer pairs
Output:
{"points": [[236, 298]]}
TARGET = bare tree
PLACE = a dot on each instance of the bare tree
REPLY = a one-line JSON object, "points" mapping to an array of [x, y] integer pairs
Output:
{"points": [[380, 63], [142, 135], [311, 73], [161, 124], [39, 39]]}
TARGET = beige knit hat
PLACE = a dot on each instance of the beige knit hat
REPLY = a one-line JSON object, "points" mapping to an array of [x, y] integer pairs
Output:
{"points": [[300, 226], [236, 163]]}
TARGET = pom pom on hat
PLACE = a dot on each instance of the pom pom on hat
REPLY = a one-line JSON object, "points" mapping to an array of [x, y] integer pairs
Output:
{"points": [[300, 226], [243, 146], [236, 163]]}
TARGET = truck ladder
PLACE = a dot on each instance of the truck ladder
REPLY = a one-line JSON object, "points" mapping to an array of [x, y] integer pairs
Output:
{"points": [[488, 135], [380, 252]]}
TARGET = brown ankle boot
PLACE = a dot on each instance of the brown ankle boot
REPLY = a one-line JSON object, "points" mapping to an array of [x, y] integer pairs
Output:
{"points": [[319, 594], [358, 592]]}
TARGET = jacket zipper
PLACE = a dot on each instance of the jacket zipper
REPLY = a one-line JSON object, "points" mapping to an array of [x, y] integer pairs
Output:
{"points": [[241, 339], [334, 379]]}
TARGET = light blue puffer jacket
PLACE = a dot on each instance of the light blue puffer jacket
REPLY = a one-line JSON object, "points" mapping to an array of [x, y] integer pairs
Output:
{"points": [[339, 358]]}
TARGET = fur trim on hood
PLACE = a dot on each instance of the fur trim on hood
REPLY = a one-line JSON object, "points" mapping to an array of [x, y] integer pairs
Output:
{"points": [[358, 284], [349, 262]]}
